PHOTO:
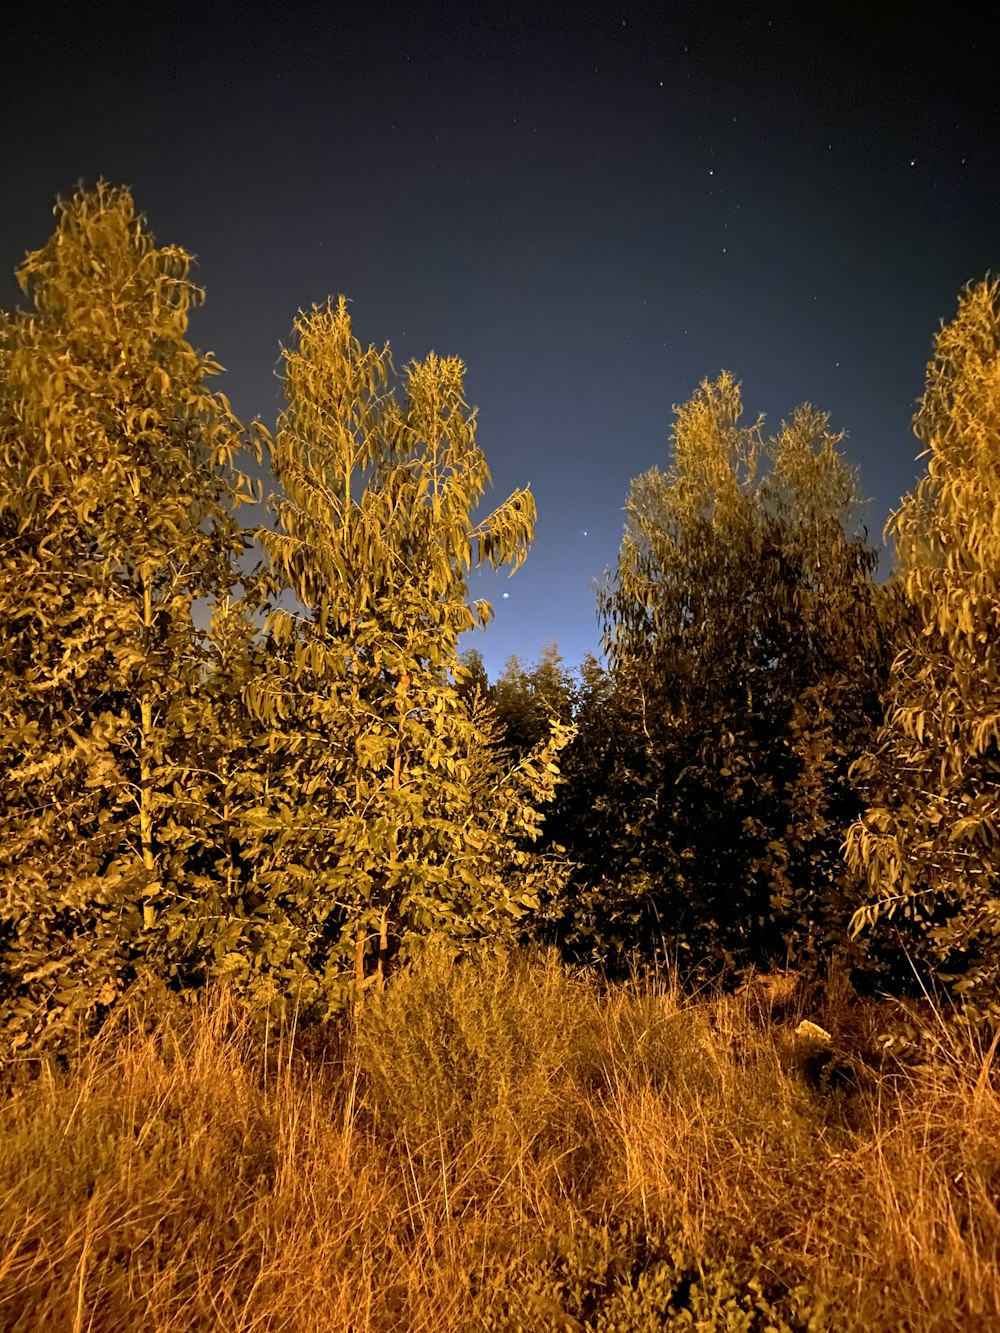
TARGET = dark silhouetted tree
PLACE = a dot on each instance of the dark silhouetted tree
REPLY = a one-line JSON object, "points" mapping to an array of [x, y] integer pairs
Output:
{"points": [[528, 698], [746, 639]]}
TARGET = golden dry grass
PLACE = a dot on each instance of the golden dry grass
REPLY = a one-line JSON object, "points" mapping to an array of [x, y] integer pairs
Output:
{"points": [[498, 1146]]}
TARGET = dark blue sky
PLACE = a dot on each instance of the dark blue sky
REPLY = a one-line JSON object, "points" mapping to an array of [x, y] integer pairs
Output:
{"points": [[595, 213]]}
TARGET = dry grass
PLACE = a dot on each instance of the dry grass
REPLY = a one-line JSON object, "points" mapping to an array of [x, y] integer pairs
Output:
{"points": [[498, 1146]]}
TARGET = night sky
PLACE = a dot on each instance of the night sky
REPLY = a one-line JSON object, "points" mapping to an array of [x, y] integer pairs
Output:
{"points": [[595, 213]]}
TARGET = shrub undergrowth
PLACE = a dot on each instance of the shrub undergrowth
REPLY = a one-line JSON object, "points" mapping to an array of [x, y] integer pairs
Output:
{"points": [[501, 1145]]}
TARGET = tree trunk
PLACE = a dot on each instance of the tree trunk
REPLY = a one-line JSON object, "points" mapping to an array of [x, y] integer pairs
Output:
{"points": [[383, 949], [359, 971], [395, 784], [145, 764]]}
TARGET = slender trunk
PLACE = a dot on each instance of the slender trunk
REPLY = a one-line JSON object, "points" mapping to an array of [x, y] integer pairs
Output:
{"points": [[359, 971], [395, 784], [227, 835], [383, 948], [145, 761]]}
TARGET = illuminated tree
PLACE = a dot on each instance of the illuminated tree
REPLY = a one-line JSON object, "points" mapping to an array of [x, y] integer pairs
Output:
{"points": [[378, 830], [929, 843], [219, 785], [116, 490]]}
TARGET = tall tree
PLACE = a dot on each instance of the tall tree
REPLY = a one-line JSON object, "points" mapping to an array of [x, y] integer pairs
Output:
{"points": [[744, 635], [929, 843], [841, 631], [116, 498], [378, 832]]}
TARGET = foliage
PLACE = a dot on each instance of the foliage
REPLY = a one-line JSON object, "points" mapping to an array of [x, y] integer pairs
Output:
{"points": [[528, 698], [221, 923], [471, 678], [386, 820], [116, 497], [318, 786], [606, 912], [287, 811], [747, 641], [929, 841], [625, 1279]]}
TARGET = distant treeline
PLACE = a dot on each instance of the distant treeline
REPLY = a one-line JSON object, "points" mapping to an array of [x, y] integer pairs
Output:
{"points": [[784, 762]]}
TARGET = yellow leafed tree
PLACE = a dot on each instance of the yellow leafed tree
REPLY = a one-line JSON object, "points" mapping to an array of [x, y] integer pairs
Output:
{"points": [[929, 842], [116, 498], [388, 818]]}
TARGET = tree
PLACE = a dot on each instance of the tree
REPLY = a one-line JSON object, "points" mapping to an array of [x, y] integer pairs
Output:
{"points": [[222, 778], [929, 841], [116, 498], [844, 628], [745, 636], [605, 909], [376, 831], [527, 699], [471, 679]]}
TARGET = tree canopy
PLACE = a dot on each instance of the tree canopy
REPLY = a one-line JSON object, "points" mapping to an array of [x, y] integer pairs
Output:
{"points": [[928, 842], [291, 779], [287, 810], [117, 501], [746, 639]]}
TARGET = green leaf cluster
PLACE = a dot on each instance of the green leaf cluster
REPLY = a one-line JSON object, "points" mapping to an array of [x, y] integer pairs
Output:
{"points": [[389, 820], [117, 499], [927, 845], [298, 795]]}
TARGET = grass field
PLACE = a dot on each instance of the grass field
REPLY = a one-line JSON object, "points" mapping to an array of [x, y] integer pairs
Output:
{"points": [[503, 1145]]}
